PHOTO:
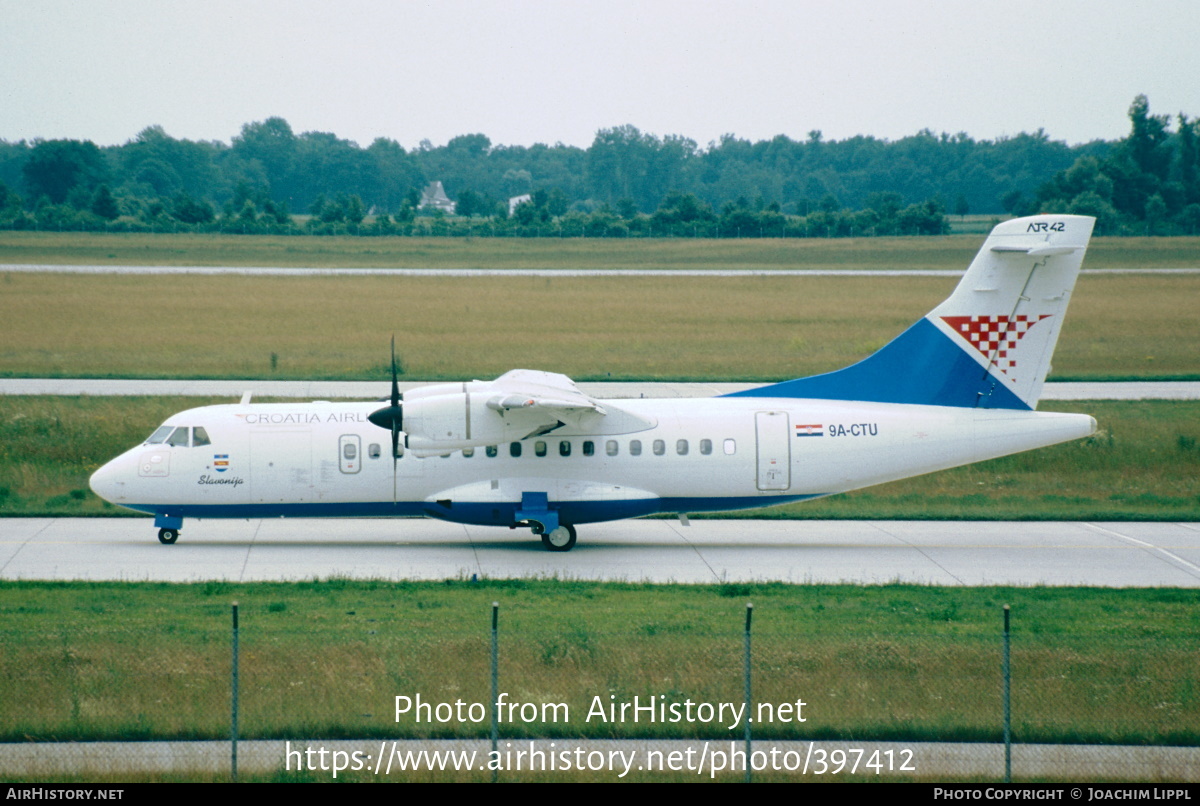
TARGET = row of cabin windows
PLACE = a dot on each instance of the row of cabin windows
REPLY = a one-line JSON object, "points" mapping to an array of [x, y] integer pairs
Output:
{"points": [[611, 448], [183, 436], [350, 450]]}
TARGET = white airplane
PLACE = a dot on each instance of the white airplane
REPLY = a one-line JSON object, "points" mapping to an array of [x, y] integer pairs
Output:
{"points": [[529, 449]]}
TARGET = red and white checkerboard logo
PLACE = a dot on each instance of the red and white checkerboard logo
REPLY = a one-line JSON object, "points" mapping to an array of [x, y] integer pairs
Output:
{"points": [[995, 337]]}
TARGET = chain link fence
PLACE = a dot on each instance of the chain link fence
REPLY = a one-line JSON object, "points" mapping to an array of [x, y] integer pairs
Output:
{"points": [[580, 704]]}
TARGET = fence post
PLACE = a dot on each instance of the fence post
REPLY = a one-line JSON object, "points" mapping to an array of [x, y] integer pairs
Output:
{"points": [[746, 679], [1006, 667], [495, 685], [233, 721]]}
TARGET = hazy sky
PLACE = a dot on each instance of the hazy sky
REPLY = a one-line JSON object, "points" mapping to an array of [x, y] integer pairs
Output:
{"points": [[523, 72]]}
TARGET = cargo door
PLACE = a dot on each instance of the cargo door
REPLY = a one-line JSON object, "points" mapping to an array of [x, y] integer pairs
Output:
{"points": [[281, 467]]}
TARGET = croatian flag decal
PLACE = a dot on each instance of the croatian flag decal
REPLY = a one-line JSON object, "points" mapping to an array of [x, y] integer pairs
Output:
{"points": [[221, 462], [810, 430]]}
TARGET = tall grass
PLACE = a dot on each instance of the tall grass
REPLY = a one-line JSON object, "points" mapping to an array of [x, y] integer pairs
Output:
{"points": [[326, 659], [591, 328]]}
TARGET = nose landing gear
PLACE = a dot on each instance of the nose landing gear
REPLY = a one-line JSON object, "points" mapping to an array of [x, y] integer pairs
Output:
{"points": [[168, 528]]}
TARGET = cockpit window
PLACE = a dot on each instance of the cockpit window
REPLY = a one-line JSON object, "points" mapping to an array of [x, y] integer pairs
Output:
{"points": [[159, 435], [200, 436], [180, 437]]}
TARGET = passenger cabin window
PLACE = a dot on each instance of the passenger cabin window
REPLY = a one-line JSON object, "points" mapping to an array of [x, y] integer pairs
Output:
{"points": [[564, 448], [660, 447], [492, 451], [374, 451], [539, 448], [468, 453], [681, 447], [589, 448], [159, 435], [611, 447], [730, 447], [179, 438], [635, 447], [200, 437], [514, 450], [706, 446]]}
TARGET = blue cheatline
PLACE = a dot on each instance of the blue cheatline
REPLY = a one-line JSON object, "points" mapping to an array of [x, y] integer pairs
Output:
{"points": [[484, 514]]}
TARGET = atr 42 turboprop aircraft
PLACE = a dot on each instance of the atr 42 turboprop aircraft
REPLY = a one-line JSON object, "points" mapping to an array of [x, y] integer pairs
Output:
{"points": [[529, 449]]}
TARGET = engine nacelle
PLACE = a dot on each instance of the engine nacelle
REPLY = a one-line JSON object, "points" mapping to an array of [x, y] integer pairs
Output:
{"points": [[452, 420]]}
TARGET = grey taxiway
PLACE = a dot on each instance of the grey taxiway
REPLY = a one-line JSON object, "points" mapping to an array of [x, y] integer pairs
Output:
{"points": [[653, 550]]}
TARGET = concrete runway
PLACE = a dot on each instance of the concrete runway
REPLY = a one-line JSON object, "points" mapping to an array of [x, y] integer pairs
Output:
{"points": [[707, 551]]}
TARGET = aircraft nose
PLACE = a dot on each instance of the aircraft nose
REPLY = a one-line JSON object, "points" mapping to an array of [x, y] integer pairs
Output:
{"points": [[107, 482]]}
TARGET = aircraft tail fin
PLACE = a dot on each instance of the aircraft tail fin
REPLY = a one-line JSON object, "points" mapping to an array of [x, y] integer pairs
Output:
{"points": [[988, 345]]}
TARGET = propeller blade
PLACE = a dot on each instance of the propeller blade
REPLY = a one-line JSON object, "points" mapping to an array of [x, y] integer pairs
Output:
{"points": [[395, 380], [391, 417]]}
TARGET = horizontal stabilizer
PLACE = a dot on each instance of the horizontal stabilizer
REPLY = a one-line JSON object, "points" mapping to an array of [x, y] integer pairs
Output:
{"points": [[1037, 251]]}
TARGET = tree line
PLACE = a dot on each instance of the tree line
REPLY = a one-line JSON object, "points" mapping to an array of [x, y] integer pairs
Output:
{"points": [[626, 184]]}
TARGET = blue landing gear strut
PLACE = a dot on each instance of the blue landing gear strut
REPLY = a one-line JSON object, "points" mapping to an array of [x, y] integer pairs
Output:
{"points": [[169, 527], [535, 509]]}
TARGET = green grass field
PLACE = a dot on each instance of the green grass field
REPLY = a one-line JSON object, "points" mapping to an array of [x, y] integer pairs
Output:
{"points": [[737, 329], [326, 658], [646, 328], [1144, 464]]}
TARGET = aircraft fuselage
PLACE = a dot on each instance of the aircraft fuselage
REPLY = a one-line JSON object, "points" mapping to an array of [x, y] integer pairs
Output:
{"points": [[712, 454]]}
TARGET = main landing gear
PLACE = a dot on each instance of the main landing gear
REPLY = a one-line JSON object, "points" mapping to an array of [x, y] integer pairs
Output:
{"points": [[535, 513], [561, 538], [168, 536]]}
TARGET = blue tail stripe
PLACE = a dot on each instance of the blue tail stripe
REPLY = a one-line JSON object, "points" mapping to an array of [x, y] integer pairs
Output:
{"points": [[921, 366]]}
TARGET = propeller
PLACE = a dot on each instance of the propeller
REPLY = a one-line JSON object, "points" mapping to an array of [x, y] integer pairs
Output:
{"points": [[391, 417]]}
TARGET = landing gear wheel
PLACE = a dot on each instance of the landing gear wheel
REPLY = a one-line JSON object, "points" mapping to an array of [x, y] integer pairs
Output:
{"points": [[169, 536], [560, 539]]}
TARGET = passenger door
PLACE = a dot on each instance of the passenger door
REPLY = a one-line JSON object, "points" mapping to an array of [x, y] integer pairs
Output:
{"points": [[774, 450]]}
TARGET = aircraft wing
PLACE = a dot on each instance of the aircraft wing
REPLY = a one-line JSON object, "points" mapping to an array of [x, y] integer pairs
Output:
{"points": [[553, 396]]}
